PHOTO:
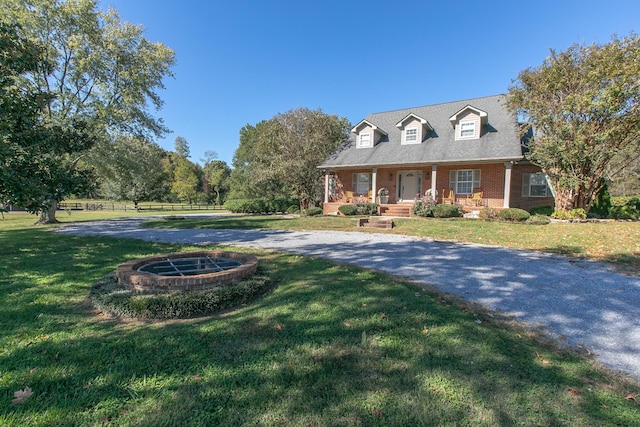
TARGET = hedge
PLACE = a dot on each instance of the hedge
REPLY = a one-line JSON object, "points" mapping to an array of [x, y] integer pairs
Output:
{"points": [[113, 298], [260, 206], [513, 214]]}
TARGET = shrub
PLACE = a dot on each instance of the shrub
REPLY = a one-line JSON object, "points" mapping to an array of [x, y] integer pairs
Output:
{"points": [[111, 297], [634, 203], [259, 206], [424, 207], [367, 209], [623, 212], [513, 214], [347, 210], [541, 210], [293, 209], [447, 211], [488, 213], [312, 211], [538, 219], [578, 213]]}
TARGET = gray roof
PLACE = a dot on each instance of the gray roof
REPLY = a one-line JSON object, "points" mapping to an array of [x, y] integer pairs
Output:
{"points": [[499, 140]]}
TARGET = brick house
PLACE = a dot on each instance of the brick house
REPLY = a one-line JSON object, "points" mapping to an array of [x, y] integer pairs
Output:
{"points": [[467, 152]]}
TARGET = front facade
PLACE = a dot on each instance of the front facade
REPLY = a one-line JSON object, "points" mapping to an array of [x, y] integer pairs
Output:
{"points": [[466, 152]]}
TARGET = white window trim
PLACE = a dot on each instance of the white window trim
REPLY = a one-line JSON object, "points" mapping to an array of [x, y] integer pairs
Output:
{"points": [[418, 134], [462, 123], [475, 182], [362, 142], [526, 185]]}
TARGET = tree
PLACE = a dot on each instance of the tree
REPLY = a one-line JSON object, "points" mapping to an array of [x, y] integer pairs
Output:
{"points": [[584, 107], [246, 181], [182, 147], [101, 70], [130, 168], [185, 180], [291, 146], [35, 154], [216, 178]]}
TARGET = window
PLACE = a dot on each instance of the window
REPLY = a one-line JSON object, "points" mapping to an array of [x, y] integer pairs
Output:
{"points": [[534, 185], [411, 136], [467, 130], [364, 140], [464, 181], [361, 183]]}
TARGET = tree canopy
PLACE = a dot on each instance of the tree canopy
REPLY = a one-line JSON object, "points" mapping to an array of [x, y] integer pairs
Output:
{"points": [[36, 156], [289, 147], [99, 70], [583, 105]]}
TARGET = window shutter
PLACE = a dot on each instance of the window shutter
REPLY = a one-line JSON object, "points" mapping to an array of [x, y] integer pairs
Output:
{"points": [[453, 180], [525, 184], [354, 182], [476, 178]]}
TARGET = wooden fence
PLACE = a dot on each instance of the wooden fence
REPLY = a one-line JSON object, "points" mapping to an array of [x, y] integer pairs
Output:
{"points": [[87, 206]]}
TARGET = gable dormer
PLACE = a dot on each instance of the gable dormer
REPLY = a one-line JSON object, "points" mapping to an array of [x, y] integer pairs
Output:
{"points": [[468, 122], [367, 134], [414, 129]]}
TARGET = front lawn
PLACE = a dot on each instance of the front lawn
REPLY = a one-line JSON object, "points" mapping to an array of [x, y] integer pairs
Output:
{"points": [[331, 345]]}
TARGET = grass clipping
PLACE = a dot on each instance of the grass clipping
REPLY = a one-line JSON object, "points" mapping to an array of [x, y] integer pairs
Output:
{"points": [[109, 296]]}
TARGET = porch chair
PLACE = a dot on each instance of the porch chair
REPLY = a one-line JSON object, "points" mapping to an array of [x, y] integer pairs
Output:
{"points": [[448, 196], [348, 195], [475, 198]]}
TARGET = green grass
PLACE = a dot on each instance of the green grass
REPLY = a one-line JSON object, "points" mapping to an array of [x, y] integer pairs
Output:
{"points": [[614, 242], [331, 345]]}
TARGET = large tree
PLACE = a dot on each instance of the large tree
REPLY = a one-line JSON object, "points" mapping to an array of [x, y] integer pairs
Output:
{"points": [[37, 157], [216, 180], [102, 70], [583, 105], [246, 180], [131, 168], [291, 145]]}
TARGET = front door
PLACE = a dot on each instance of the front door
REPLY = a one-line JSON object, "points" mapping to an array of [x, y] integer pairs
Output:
{"points": [[409, 186]]}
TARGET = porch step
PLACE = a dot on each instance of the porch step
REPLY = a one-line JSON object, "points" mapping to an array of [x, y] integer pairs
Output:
{"points": [[396, 210]]}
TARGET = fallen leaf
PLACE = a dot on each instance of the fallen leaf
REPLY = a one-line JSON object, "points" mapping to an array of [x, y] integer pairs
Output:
{"points": [[279, 327], [544, 362], [632, 397], [32, 371], [425, 331], [377, 412], [21, 396], [574, 392], [87, 385], [383, 315], [346, 324]]}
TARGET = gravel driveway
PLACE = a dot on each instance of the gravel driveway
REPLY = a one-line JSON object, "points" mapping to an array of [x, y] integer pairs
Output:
{"points": [[584, 303]]}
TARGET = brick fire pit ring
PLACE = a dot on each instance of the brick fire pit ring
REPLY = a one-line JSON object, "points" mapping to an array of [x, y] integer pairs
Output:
{"points": [[185, 271]]}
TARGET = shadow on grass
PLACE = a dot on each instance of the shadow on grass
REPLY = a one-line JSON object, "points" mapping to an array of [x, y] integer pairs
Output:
{"points": [[332, 345]]}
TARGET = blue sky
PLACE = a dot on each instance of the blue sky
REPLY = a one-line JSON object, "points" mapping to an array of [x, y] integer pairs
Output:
{"points": [[243, 61]]}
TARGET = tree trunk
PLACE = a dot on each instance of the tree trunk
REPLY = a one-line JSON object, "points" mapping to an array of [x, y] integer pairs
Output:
{"points": [[564, 200], [48, 216]]}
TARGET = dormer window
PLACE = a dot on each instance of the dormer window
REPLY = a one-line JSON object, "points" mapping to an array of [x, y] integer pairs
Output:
{"points": [[367, 134], [364, 139], [411, 136], [468, 122], [414, 129], [467, 129]]}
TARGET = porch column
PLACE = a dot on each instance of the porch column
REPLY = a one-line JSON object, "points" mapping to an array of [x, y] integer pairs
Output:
{"points": [[434, 187], [507, 184], [374, 186], [326, 186]]}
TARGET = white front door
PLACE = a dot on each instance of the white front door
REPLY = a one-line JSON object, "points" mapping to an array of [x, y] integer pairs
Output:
{"points": [[409, 184]]}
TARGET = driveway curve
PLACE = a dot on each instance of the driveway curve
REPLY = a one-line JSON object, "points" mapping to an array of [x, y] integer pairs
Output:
{"points": [[583, 303]]}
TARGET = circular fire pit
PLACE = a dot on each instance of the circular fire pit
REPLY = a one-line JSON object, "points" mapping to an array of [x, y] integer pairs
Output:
{"points": [[186, 271]]}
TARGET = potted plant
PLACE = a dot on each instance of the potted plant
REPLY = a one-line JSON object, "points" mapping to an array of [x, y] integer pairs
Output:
{"points": [[383, 196]]}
